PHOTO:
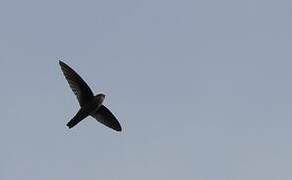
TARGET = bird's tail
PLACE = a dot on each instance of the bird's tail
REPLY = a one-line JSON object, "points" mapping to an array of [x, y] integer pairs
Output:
{"points": [[77, 118]]}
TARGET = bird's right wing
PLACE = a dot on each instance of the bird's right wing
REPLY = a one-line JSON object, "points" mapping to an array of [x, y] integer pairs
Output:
{"points": [[77, 84], [104, 116], [82, 113]]}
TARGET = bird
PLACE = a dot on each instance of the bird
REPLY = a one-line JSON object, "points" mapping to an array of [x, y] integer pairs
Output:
{"points": [[90, 104]]}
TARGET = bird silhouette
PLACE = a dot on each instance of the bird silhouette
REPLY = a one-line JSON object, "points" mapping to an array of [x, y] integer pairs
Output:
{"points": [[90, 105]]}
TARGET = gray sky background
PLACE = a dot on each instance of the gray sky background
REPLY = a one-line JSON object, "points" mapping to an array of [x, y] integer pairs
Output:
{"points": [[201, 88]]}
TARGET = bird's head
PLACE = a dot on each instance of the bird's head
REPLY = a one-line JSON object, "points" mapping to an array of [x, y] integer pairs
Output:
{"points": [[100, 97]]}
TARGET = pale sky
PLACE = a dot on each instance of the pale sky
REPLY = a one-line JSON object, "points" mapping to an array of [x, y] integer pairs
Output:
{"points": [[201, 88]]}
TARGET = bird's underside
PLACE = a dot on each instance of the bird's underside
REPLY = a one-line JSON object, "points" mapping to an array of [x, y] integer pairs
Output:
{"points": [[89, 104]]}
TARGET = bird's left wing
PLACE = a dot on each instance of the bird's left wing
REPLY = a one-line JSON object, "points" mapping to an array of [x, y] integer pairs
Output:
{"points": [[104, 116], [77, 84]]}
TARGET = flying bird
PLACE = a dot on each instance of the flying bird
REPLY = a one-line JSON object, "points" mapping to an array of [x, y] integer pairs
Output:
{"points": [[90, 105]]}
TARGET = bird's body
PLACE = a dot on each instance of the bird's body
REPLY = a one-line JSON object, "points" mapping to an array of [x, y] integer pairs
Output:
{"points": [[89, 104], [90, 108], [96, 102]]}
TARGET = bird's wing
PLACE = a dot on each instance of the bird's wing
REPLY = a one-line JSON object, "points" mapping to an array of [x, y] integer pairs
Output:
{"points": [[82, 113], [77, 84], [104, 116]]}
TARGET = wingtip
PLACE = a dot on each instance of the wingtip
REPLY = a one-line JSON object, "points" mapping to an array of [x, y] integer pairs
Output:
{"points": [[61, 62], [119, 129], [69, 127]]}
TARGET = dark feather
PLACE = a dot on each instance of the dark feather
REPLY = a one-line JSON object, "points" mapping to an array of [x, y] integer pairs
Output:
{"points": [[77, 84], [104, 116]]}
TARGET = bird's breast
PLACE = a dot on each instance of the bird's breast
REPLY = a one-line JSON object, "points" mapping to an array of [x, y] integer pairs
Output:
{"points": [[94, 105]]}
